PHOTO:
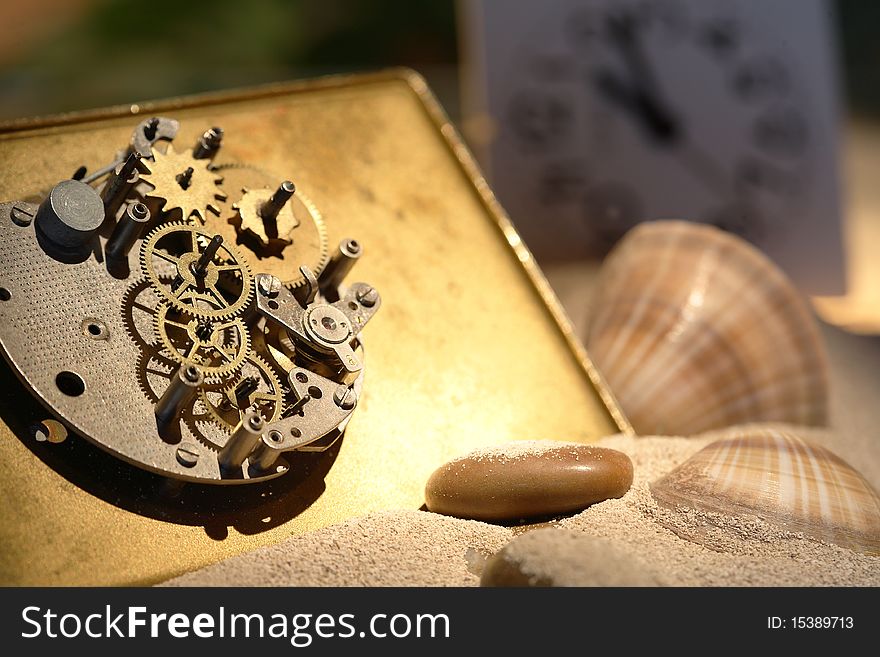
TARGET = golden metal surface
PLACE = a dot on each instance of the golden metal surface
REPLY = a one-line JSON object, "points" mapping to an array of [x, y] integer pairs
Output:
{"points": [[471, 347], [201, 196]]}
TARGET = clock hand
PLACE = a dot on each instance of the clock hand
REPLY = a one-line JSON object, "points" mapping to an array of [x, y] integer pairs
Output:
{"points": [[698, 163], [654, 118], [641, 97]]}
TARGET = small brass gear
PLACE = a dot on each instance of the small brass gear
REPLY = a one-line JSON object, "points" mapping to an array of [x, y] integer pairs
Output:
{"points": [[219, 347], [139, 302], [310, 244], [153, 374], [168, 257], [181, 182], [266, 397]]}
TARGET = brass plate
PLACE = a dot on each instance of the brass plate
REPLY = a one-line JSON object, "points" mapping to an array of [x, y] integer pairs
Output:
{"points": [[471, 347]]}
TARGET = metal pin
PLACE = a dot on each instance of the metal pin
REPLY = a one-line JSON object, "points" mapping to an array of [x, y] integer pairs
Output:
{"points": [[180, 391], [185, 178], [241, 443], [271, 208], [208, 144], [119, 186], [200, 268], [99, 173], [127, 231], [341, 262]]}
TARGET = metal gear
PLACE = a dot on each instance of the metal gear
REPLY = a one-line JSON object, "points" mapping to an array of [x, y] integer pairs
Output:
{"points": [[153, 372], [310, 242], [251, 228], [169, 257], [139, 304], [310, 247], [218, 347], [181, 182], [266, 397]]}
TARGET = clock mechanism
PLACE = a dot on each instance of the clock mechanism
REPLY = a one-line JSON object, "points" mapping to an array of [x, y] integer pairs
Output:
{"points": [[187, 317], [657, 109]]}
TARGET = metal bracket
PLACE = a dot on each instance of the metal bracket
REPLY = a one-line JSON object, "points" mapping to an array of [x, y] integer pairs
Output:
{"points": [[325, 328]]}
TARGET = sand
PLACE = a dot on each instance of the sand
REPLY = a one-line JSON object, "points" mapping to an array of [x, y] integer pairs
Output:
{"points": [[550, 556], [391, 548], [416, 548]]}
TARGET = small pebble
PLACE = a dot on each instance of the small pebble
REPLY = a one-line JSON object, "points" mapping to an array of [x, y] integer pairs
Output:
{"points": [[558, 557], [527, 479]]}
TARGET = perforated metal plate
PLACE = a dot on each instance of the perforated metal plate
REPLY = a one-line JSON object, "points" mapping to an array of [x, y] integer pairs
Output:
{"points": [[64, 331]]}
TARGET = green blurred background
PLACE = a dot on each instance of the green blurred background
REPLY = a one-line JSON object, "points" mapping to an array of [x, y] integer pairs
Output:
{"points": [[59, 55]]}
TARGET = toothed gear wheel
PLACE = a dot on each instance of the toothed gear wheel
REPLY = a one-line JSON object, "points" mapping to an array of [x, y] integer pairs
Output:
{"points": [[310, 242], [267, 398], [181, 182], [169, 254], [153, 374], [218, 346], [310, 246], [139, 303]]}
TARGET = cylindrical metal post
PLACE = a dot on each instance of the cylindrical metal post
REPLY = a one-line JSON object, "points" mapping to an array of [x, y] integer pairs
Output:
{"points": [[180, 391], [127, 231], [119, 185], [241, 443], [341, 262]]}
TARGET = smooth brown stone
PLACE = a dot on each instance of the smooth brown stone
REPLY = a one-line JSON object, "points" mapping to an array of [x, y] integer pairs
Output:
{"points": [[559, 557], [527, 480]]}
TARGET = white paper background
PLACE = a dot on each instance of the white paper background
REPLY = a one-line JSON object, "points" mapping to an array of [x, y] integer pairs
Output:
{"points": [[750, 88]]}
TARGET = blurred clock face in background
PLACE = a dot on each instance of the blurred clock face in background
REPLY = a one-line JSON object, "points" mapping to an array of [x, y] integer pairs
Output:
{"points": [[654, 109], [612, 112]]}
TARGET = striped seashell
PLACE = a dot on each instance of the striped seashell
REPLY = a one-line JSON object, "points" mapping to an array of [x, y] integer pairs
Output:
{"points": [[694, 329], [773, 474]]}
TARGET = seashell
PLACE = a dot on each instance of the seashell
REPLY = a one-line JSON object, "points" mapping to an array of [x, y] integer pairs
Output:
{"points": [[527, 479], [559, 557], [775, 475], [694, 329]]}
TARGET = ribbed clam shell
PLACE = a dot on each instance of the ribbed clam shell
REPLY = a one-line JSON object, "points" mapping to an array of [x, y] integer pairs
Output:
{"points": [[694, 329], [775, 475]]}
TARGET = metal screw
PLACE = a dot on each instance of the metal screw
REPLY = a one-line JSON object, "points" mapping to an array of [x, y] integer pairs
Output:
{"points": [[187, 455], [368, 296], [269, 286], [256, 422], [344, 398], [21, 215]]}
